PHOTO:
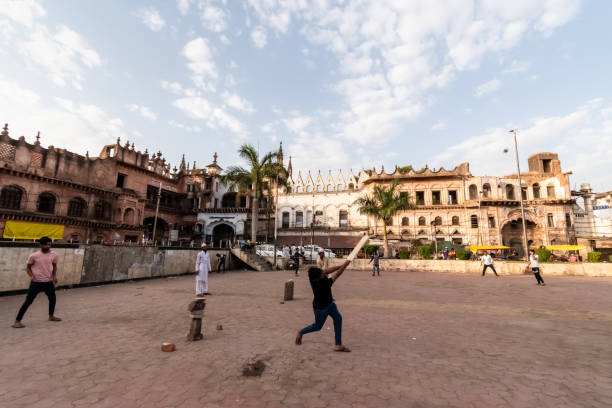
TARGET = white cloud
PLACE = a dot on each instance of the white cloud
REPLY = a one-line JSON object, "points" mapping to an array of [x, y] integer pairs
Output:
{"points": [[392, 55], [487, 88], [224, 40], [143, 111], [201, 62], [183, 6], [22, 11], [151, 18], [62, 55], [186, 128], [237, 102], [214, 19], [517, 67], [214, 117], [63, 123], [589, 125], [440, 125], [174, 87], [259, 37]]}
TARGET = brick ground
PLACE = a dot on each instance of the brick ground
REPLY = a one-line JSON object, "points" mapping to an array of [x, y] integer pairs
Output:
{"points": [[418, 340]]}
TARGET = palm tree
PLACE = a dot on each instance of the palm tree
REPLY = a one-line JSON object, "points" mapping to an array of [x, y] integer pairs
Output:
{"points": [[383, 203], [276, 176], [237, 177]]}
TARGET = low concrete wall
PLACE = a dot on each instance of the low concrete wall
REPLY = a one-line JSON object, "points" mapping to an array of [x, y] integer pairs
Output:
{"points": [[93, 264], [13, 275], [474, 267]]}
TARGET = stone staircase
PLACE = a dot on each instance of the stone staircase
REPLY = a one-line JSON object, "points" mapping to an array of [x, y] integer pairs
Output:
{"points": [[253, 260]]}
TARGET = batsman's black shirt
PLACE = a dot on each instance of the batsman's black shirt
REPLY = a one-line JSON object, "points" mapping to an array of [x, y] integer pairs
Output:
{"points": [[322, 292]]}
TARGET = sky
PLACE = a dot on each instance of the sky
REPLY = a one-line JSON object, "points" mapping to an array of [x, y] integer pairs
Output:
{"points": [[344, 84]]}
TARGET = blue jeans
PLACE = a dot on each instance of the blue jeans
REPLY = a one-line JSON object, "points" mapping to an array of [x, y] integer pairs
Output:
{"points": [[321, 316], [375, 269]]}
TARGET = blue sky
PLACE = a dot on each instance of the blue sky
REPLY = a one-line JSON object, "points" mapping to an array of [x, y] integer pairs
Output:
{"points": [[345, 84]]}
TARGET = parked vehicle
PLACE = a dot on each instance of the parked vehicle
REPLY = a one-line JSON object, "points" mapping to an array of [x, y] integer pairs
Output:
{"points": [[311, 252], [268, 250]]}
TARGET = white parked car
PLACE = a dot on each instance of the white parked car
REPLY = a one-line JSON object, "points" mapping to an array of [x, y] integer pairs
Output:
{"points": [[268, 250], [311, 252]]}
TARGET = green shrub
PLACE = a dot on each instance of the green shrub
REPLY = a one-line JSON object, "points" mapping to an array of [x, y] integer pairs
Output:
{"points": [[610, 258], [425, 251], [404, 254], [370, 249], [464, 254], [594, 256], [543, 254]]}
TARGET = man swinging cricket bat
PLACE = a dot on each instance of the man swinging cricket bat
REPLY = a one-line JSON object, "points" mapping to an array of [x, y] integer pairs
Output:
{"points": [[323, 303]]}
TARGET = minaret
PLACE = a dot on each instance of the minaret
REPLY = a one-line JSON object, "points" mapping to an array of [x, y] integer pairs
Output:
{"points": [[280, 153], [182, 166], [290, 169]]}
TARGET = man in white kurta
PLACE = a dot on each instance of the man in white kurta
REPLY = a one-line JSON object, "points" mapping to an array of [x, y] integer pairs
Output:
{"points": [[202, 268]]}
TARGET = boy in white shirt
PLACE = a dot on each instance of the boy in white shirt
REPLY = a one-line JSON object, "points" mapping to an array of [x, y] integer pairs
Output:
{"points": [[534, 262]]}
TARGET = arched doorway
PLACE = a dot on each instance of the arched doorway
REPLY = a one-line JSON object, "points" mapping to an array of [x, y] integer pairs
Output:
{"points": [[512, 234], [222, 235], [160, 232]]}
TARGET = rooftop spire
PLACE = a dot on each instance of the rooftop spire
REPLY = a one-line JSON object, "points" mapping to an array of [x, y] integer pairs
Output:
{"points": [[182, 165], [289, 168]]}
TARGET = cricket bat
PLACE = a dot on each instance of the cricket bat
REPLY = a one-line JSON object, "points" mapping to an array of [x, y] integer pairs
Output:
{"points": [[357, 248]]}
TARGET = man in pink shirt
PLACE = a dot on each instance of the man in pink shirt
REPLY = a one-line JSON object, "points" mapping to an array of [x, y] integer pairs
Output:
{"points": [[42, 268]]}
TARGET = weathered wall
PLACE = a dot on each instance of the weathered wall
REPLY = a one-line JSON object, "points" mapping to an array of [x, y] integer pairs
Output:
{"points": [[13, 275], [474, 267], [103, 263]]}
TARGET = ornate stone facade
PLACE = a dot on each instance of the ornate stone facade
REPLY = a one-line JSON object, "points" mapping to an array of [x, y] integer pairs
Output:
{"points": [[451, 205]]}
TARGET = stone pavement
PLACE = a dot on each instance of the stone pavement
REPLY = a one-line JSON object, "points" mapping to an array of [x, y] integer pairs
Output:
{"points": [[418, 340]]}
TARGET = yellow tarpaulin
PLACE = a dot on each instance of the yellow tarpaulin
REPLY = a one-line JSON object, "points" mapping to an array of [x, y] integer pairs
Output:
{"points": [[477, 248], [31, 230], [564, 247]]}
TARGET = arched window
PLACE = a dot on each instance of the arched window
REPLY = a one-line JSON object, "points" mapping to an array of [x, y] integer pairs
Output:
{"points": [[486, 190], [128, 216], [318, 217], [550, 191], [474, 221], [298, 189], [330, 187], [473, 192], [422, 221], [405, 221], [438, 221], [340, 187], [319, 188], [10, 197], [77, 207], [536, 190], [228, 200], [102, 211], [46, 203], [551, 220], [299, 219], [510, 192], [455, 220], [309, 189], [343, 217], [351, 186], [285, 220]]}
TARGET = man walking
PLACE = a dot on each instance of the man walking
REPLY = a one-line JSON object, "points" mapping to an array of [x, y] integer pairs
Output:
{"points": [[202, 268], [374, 259], [296, 261], [487, 260], [534, 262], [42, 269], [323, 303]]}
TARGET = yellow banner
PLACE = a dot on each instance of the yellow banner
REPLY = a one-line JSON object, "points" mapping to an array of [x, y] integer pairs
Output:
{"points": [[31, 230]]}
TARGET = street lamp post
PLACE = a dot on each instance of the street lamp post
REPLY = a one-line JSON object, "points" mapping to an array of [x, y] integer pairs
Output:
{"points": [[433, 228], [518, 169], [156, 211], [275, 217]]}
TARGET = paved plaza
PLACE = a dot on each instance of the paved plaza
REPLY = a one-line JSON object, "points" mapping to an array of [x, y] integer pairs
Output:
{"points": [[418, 340]]}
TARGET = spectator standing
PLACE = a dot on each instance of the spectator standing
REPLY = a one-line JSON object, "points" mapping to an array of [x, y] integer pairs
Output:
{"points": [[534, 262], [42, 270]]}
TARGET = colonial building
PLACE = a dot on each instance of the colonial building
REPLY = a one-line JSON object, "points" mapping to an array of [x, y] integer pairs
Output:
{"points": [[594, 220], [451, 205], [109, 198]]}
